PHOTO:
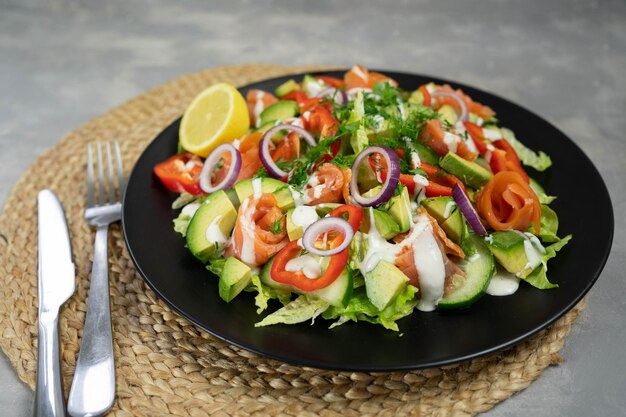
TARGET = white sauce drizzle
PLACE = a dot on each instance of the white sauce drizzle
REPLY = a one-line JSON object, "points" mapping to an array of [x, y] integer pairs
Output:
{"points": [[257, 187], [430, 267], [297, 196], [379, 121], [534, 251], [401, 109], [190, 209], [215, 235], [304, 216], [258, 108], [449, 207], [247, 247], [377, 248], [415, 160], [451, 140], [502, 283], [491, 134], [309, 266]]}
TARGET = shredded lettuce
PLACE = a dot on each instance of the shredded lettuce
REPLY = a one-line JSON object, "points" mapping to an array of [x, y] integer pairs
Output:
{"points": [[182, 200], [548, 225], [359, 140], [361, 308], [299, 310], [264, 294], [540, 161], [216, 266], [538, 278], [181, 223]]}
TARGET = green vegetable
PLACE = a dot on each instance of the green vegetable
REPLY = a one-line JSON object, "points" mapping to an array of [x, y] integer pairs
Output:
{"points": [[540, 161], [181, 222], [299, 310], [538, 278]]}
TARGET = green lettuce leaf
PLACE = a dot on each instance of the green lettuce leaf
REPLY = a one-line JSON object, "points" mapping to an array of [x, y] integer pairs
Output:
{"points": [[548, 225], [360, 308], [216, 266], [540, 161], [180, 224], [265, 293], [299, 310], [182, 200], [538, 278], [359, 140]]}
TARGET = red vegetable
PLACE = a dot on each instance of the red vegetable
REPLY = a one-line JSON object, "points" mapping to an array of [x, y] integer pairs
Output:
{"points": [[180, 173]]}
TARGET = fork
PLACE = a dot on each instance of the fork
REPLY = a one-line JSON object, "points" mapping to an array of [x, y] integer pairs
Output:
{"points": [[93, 386]]}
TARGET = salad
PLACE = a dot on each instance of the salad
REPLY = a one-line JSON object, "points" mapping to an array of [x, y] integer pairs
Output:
{"points": [[355, 200]]}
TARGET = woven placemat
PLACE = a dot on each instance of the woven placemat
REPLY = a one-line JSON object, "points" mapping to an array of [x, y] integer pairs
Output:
{"points": [[167, 366]]}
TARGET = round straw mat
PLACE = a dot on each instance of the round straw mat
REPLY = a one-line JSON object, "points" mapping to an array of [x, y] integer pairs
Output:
{"points": [[167, 366]]}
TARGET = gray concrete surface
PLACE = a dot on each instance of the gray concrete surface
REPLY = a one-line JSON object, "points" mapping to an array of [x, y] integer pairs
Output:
{"points": [[64, 62]]}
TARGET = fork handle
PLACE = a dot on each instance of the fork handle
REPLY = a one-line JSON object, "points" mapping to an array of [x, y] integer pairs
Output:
{"points": [[93, 386]]}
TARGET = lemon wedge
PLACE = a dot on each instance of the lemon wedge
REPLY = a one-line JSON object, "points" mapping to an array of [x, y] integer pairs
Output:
{"points": [[217, 115]]}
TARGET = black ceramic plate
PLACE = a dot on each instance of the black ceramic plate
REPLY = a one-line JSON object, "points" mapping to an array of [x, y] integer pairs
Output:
{"points": [[425, 339]]}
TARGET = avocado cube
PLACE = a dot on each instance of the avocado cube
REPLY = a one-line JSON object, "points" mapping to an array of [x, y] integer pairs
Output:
{"points": [[472, 174], [235, 276], [447, 114], [246, 188], [385, 225], [509, 248], [384, 283], [284, 198], [216, 212], [305, 215], [282, 110], [286, 88], [400, 210]]}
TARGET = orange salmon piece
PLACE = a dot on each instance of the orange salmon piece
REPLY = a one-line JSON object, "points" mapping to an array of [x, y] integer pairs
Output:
{"points": [[326, 185], [253, 227]]}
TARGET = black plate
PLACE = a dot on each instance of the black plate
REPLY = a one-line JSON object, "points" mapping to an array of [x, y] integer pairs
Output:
{"points": [[427, 339]]}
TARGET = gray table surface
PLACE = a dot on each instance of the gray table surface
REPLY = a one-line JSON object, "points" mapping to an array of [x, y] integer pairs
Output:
{"points": [[65, 62]]}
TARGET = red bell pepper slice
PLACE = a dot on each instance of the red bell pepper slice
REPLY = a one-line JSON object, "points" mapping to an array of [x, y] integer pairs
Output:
{"points": [[337, 262], [427, 98], [297, 279], [331, 81], [478, 137], [180, 173], [506, 159]]}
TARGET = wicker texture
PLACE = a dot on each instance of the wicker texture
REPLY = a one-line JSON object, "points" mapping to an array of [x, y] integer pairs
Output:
{"points": [[167, 366]]}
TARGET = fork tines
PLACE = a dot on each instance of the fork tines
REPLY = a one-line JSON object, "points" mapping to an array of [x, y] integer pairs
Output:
{"points": [[102, 186]]}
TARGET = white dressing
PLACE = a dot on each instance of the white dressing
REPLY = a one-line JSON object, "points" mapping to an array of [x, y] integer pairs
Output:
{"points": [[502, 283], [257, 187], [258, 108], [309, 266], [297, 196], [415, 160], [215, 235], [247, 247], [491, 134], [534, 251], [377, 248], [304, 216], [451, 140], [449, 207], [190, 209], [430, 268]]}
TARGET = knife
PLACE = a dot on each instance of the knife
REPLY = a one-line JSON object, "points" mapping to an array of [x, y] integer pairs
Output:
{"points": [[56, 285]]}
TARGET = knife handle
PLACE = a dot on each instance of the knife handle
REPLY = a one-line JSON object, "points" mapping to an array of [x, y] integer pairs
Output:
{"points": [[93, 387], [49, 389]]}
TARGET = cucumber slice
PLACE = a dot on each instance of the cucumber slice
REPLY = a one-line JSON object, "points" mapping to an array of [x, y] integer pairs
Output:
{"points": [[266, 278], [338, 293], [479, 267]]}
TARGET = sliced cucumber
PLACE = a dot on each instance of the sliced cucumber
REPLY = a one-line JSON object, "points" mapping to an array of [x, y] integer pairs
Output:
{"points": [[339, 292], [479, 267], [266, 278]]}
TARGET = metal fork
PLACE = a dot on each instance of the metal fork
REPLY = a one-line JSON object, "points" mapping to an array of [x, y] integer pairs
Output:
{"points": [[93, 386]]}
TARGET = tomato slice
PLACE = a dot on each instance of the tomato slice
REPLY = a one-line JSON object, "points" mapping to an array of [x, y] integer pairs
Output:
{"points": [[427, 98], [331, 81], [477, 135], [180, 173]]}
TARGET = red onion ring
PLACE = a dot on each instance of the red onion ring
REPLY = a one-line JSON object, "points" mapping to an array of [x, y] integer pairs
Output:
{"points": [[209, 166], [339, 96], [390, 184], [326, 225], [464, 113], [264, 149], [467, 210]]}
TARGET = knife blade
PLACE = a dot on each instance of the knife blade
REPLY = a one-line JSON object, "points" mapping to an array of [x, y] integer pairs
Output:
{"points": [[56, 285]]}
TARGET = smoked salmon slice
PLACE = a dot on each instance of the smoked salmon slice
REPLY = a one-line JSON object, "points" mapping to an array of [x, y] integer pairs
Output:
{"points": [[507, 202], [256, 238], [329, 184], [434, 136]]}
